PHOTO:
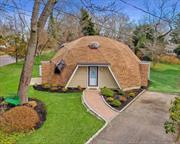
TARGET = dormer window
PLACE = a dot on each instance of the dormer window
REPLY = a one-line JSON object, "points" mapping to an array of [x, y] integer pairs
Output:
{"points": [[59, 67], [94, 45]]}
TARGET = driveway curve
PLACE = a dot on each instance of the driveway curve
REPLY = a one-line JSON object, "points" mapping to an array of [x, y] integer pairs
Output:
{"points": [[141, 123]]}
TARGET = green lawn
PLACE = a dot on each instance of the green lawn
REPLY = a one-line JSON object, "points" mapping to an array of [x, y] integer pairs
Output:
{"points": [[68, 120], [165, 78]]}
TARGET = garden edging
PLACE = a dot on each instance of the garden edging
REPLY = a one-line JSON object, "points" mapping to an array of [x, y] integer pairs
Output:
{"points": [[98, 116], [89, 109]]}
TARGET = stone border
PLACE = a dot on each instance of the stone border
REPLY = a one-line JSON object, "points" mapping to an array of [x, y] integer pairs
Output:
{"points": [[126, 105], [93, 112], [99, 117]]}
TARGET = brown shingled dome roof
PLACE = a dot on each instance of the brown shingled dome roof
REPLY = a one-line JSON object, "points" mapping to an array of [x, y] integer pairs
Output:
{"points": [[123, 62]]}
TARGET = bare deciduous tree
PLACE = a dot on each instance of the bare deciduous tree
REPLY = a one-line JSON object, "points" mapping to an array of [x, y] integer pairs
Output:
{"points": [[162, 24]]}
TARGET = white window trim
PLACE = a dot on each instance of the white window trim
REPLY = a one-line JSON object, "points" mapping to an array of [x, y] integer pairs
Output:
{"points": [[72, 76], [87, 84], [114, 77], [40, 70]]}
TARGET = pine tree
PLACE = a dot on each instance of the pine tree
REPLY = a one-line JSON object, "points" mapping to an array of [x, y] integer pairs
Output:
{"points": [[87, 26]]}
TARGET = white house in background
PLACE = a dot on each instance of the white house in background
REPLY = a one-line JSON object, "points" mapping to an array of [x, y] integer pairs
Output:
{"points": [[3, 46], [169, 49]]}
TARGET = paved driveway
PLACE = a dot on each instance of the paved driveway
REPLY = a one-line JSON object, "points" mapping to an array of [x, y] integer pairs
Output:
{"points": [[6, 59], [141, 123]]}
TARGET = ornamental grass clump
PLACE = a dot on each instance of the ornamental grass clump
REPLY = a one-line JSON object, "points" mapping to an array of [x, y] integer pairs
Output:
{"points": [[132, 94], [116, 103], [107, 92], [110, 99], [19, 119]]}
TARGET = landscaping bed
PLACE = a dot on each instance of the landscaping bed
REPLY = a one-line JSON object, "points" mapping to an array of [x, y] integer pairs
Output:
{"points": [[67, 120], [22, 118], [56, 88], [118, 99]]}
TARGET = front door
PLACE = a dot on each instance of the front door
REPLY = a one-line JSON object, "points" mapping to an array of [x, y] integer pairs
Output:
{"points": [[93, 76]]}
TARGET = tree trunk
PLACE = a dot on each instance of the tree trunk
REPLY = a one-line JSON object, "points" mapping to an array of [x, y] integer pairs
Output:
{"points": [[36, 27], [16, 55], [29, 59]]}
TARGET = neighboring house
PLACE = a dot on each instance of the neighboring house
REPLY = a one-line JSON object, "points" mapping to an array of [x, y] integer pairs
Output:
{"points": [[3, 46], [169, 49], [95, 62]]}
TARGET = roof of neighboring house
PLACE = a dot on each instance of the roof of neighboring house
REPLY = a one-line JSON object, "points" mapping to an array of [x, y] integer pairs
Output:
{"points": [[123, 62]]}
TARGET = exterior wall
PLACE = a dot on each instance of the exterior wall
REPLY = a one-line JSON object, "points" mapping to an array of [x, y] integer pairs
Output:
{"points": [[145, 71], [106, 78], [45, 70], [79, 78]]}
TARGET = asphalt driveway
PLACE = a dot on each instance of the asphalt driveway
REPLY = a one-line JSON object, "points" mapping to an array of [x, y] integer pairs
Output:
{"points": [[6, 59], [140, 123]]}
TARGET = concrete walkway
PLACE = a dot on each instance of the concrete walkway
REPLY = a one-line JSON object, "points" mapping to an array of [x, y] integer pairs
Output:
{"points": [[94, 101], [141, 123], [37, 80], [6, 59]]}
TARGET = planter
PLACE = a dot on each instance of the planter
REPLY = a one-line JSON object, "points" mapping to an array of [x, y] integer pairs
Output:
{"points": [[125, 100]]}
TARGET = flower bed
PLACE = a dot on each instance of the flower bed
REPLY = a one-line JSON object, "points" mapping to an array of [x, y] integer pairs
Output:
{"points": [[56, 88], [34, 106], [118, 99]]}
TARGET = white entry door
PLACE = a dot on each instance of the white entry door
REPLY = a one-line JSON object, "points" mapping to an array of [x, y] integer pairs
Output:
{"points": [[93, 76]]}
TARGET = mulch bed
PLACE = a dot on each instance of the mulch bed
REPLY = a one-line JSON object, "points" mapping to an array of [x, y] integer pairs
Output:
{"points": [[129, 99], [57, 89], [40, 108]]}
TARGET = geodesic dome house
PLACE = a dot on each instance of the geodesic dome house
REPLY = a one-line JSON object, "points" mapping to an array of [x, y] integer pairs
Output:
{"points": [[95, 62]]}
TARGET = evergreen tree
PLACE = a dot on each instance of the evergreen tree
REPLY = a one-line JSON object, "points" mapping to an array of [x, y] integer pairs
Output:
{"points": [[142, 35], [52, 26], [87, 26]]}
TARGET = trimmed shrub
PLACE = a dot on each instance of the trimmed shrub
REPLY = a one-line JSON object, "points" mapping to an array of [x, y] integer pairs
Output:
{"points": [[46, 85], [123, 98], [132, 94], [107, 92], [121, 92], [110, 99], [116, 103], [64, 89], [19, 119]]}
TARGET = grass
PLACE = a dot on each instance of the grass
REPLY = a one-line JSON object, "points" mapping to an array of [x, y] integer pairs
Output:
{"points": [[165, 78], [68, 120]]}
